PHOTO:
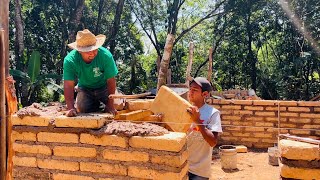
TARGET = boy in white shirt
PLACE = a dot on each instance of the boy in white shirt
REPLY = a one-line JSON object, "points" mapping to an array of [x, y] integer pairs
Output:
{"points": [[203, 133]]}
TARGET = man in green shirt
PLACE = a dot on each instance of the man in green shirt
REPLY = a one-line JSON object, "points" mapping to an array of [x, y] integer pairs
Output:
{"points": [[94, 68]]}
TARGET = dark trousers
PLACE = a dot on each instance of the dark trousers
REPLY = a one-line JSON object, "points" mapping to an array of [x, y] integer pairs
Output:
{"points": [[196, 177], [88, 100]]}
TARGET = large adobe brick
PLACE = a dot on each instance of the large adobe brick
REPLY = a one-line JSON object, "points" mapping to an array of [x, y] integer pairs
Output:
{"points": [[61, 176], [31, 120], [58, 164], [94, 121], [174, 108], [25, 136], [299, 150], [172, 141], [67, 151], [170, 160], [138, 104], [119, 155], [103, 168], [25, 161], [57, 137], [299, 173], [106, 140], [147, 173], [33, 149]]}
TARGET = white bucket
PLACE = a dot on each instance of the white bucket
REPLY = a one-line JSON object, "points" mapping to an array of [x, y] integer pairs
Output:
{"points": [[273, 153], [228, 155]]}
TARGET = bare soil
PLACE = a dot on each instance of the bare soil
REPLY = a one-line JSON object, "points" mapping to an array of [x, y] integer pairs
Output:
{"points": [[252, 165]]}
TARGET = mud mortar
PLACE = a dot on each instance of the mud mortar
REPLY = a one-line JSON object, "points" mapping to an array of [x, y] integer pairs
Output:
{"points": [[36, 109]]}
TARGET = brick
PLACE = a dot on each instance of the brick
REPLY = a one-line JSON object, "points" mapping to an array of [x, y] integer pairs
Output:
{"points": [[148, 173], [119, 155], [309, 115], [264, 114], [32, 149], [299, 173], [250, 139], [275, 108], [286, 114], [242, 112], [94, 121], [225, 122], [262, 135], [24, 136], [231, 107], [299, 109], [286, 125], [242, 102], [30, 120], [232, 128], [269, 141], [308, 126], [106, 140], [135, 115], [253, 108], [216, 106], [225, 117], [264, 124], [263, 103], [134, 105], [309, 103], [57, 137], [253, 118], [316, 109], [296, 150], [275, 119], [242, 123], [299, 120], [316, 121], [288, 103], [170, 160], [241, 134], [241, 149], [61, 176], [68, 151], [174, 108], [299, 132], [172, 141], [24, 161], [58, 164], [229, 138], [254, 129], [221, 101], [103, 168], [226, 112]]}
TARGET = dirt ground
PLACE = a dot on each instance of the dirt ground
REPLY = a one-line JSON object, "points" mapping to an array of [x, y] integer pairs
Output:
{"points": [[252, 165]]}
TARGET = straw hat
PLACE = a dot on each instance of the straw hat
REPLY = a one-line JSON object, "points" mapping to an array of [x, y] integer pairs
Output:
{"points": [[86, 41]]}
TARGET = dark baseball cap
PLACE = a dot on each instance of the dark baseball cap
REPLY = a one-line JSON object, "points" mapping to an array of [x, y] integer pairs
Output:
{"points": [[203, 83]]}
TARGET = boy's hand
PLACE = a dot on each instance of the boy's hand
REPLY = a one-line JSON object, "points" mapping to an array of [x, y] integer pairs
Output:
{"points": [[195, 114]]}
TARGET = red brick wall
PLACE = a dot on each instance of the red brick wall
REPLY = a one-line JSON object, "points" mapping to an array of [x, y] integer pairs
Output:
{"points": [[254, 123]]}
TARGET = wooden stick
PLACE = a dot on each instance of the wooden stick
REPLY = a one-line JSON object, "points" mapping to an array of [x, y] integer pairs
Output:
{"points": [[133, 96], [301, 139]]}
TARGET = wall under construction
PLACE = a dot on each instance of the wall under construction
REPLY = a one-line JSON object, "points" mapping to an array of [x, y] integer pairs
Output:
{"points": [[69, 148], [255, 123]]}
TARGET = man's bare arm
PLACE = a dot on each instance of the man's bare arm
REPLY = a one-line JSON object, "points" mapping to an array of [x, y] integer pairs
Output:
{"points": [[111, 87], [69, 97]]}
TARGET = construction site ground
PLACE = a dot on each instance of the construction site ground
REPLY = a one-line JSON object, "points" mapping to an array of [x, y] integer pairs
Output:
{"points": [[252, 165]]}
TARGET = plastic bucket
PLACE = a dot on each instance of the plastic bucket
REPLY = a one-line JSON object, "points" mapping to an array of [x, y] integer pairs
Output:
{"points": [[273, 153], [228, 155]]}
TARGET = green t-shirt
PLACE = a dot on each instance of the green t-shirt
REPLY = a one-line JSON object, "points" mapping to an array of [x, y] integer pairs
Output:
{"points": [[93, 75]]}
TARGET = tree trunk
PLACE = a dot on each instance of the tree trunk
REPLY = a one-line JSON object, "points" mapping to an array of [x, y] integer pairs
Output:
{"points": [[210, 65], [75, 20], [116, 26], [164, 65], [133, 75], [101, 10], [189, 67]]}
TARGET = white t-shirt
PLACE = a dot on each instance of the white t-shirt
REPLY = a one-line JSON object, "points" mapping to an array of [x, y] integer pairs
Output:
{"points": [[200, 152]]}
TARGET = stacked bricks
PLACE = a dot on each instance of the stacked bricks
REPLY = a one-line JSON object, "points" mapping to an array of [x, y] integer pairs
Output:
{"points": [[299, 160], [255, 123], [61, 148]]}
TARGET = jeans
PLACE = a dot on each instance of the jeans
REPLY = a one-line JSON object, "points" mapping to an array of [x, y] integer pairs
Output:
{"points": [[196, 177], [88, 100]]}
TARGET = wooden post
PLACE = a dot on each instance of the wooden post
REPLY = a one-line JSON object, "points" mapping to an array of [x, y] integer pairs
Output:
{"points": [[3, 139], [188, 76], [210, 65]]}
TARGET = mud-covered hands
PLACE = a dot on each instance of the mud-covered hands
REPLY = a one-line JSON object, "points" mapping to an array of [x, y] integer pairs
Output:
{"points": [[195, 114], [71, 113]]}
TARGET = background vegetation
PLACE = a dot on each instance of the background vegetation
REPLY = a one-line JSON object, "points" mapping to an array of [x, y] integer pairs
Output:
{"points": [[267, 45]]}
